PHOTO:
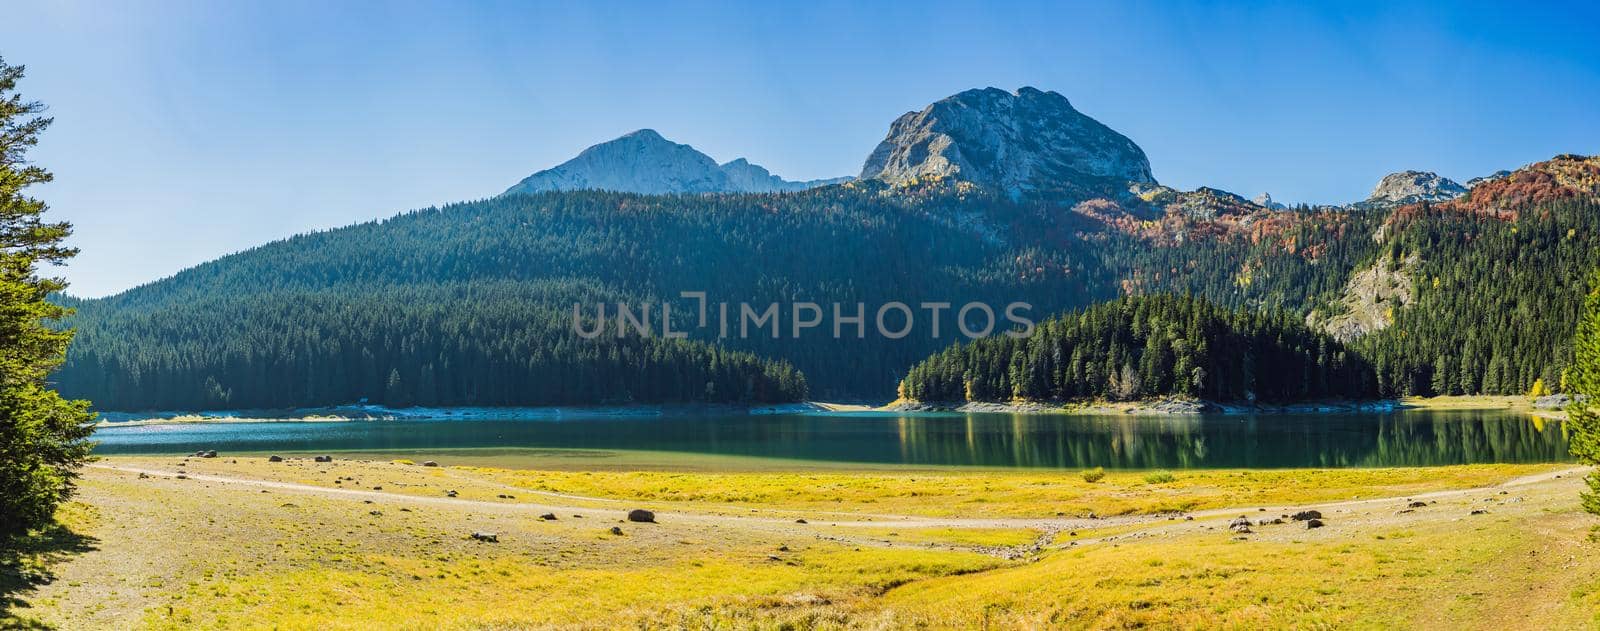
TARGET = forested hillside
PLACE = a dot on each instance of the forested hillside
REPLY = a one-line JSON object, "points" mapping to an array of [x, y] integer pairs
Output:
{"points": [[375, 286], [486, 344], [1148, 346], [1493, 278]]}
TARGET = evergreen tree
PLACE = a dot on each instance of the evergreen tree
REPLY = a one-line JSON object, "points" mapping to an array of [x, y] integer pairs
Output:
{"points": [[43, 437], [1583, 380]]}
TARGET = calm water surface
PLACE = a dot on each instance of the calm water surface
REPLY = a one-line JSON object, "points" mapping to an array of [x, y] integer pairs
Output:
{"points": [[1407, 438]]}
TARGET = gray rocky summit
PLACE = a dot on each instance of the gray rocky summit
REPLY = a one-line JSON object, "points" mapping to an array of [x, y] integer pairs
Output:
{"points": [[1023, 142], [753, 178], [1265, 200], [645, 162], [1411, 187]]}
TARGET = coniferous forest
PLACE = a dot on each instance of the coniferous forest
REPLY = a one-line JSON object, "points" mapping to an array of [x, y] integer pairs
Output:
{"points": [[1148, 346], [468, 304]]}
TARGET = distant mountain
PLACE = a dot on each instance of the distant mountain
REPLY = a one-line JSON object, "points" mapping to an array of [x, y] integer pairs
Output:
{"points": [[1412, 187], [1564, 177], [1016, 143], [472, 304], [745, 177], [1265, 200], [645, 162]]}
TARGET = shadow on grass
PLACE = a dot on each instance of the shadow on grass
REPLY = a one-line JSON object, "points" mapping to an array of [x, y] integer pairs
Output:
{"points": [[25, 564]]}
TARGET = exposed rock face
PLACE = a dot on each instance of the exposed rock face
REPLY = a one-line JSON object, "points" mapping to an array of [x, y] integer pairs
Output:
{"points": [[645, 162], [1411, 187], [1210, 203], [1027, 142], [1264, 200], [1497, 175], [753, 178], [1369, 301]]}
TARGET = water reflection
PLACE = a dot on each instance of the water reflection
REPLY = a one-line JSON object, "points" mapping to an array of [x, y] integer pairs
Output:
{"points": [[1114, 441]]}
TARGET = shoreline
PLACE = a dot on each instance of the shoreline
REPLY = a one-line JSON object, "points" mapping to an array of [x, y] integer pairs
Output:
{"points": [[1156, 407], [1179, 407], [369, 413]]}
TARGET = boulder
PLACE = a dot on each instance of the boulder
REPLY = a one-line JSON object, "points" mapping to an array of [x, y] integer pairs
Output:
{"points": [[1313, 523], [274, 458], [1306, 515], [429, 463], [488, 537], [548, 517], [641, 515], [616, 530]]}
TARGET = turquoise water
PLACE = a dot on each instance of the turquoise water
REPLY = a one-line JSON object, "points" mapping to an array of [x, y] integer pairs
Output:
{"points": [[1409, 438]]}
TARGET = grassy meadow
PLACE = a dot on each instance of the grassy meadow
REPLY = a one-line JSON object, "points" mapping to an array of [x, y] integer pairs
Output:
{"points": [[374, 541]]}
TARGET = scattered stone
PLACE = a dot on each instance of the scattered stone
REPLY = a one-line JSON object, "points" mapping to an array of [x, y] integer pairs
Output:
{"points": [[182, 477], [1306, 515], [487, 537], [143, 475], [323, 459], [773, 557], [376, 513], [1404, 511], [1240, 525], [800, 521], [1313, 523], [548, 517], [783, 548], [616, 530], [429, 463], [1479, 511], [641, 515], [1417, 505], [450, 493], [1188, 517]]}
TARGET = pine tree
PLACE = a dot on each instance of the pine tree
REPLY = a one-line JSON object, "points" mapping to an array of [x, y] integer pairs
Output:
{"points": [[1584, 380], [43, 438]]}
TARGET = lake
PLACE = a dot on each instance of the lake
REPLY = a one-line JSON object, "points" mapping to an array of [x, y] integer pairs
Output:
{"points": [[1405, 438]]}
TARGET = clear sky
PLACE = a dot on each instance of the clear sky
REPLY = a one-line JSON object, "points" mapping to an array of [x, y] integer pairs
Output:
{"points": [[188, 130]]}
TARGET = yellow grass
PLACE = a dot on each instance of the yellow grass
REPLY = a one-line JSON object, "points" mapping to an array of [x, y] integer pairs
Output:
{"points": [[171, 553]]}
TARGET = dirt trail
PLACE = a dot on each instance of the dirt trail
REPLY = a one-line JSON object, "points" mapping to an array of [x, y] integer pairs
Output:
{"points": [[875, 520]]}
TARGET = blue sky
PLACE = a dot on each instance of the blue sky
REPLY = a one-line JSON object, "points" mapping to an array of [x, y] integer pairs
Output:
{"points": [[188, 130]]}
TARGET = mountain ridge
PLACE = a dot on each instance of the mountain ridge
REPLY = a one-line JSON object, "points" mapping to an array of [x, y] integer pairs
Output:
{"points": [[643, 161]]}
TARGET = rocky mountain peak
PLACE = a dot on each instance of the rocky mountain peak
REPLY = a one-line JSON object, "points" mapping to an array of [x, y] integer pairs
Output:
{"points": [[1029, 141], [645, 162], [1265, 200], [1411, 187], [748, 177]]}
